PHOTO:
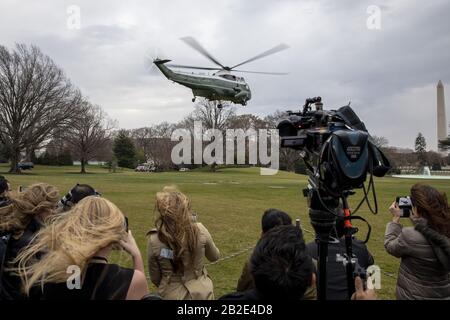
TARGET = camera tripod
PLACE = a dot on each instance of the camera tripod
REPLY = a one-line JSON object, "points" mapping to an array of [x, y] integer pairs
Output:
{"points": [[323, 222]]}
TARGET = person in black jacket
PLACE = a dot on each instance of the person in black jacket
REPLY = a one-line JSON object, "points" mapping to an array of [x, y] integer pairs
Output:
{"points": [[269, 220], [75, 195], [4, 188], [283, 270], [336, 272], [19, 222], [280, 267]]}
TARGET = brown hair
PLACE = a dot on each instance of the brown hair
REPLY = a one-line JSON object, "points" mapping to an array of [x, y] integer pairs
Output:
{"points": [[175, 224], [433, 206]]}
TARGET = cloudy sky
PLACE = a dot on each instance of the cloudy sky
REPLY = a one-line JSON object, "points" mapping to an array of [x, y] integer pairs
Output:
{"points": [[389, 73]]}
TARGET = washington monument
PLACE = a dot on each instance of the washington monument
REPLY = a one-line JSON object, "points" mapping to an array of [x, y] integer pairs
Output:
{"points": [[441, 119]]}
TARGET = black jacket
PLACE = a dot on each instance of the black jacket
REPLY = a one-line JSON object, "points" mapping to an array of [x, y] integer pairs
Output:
{"points": [[336, 272], [11, 283]]}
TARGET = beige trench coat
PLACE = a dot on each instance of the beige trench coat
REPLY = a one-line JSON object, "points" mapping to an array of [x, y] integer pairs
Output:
{"points": [[194, 283]]}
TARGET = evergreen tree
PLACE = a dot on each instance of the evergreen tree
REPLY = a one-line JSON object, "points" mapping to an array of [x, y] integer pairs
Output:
{"points": [[421, 149], [124, 150]]}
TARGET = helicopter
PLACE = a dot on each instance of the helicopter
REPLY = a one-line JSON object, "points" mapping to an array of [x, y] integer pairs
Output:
{"points": [[221, 85]]}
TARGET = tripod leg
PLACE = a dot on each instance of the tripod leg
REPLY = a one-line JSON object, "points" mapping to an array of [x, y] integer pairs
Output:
{"points": [[349, 267], [322, 266]]}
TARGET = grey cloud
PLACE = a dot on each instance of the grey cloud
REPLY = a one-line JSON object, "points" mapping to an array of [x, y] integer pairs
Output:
{"points": [[388, 74]]}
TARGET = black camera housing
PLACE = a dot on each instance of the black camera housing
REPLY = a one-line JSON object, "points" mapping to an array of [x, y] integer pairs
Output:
{"points": [[338, 154], [334, 145]]}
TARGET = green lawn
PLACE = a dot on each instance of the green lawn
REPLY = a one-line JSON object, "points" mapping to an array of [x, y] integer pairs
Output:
{"points": [[229, 202]]}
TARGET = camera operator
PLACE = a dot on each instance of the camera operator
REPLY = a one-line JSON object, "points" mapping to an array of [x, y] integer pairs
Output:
{"points": [[4, 188], [19, 222], [424, 249], [176, 248], [270, 219], [75, 195], [337, 287], [83, 239]]}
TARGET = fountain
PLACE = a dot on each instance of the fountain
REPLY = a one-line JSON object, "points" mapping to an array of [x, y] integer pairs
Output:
{"points": [[426, 174]]}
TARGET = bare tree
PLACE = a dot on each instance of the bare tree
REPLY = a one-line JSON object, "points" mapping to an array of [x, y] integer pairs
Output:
{"points": [[288, 157], [89, 133], [211, 114], [247, 121], [380, 141], [35, 99], [156, 144]]}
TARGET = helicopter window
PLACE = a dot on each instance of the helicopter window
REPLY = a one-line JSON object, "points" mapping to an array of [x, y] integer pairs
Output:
{"points": [[229, 77]]}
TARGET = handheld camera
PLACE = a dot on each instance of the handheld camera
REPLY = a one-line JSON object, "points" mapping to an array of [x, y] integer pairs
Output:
{"points": [[405, 205]]}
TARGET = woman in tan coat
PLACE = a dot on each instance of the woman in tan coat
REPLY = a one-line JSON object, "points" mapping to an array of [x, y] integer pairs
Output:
{"points": [[176, 249]]}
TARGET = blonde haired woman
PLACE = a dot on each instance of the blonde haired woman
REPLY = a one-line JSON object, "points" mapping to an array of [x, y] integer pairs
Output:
{"points": [[176, 249], [80, 241], [19, 222]]}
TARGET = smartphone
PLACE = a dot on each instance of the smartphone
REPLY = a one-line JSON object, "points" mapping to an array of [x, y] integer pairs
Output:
{"points": [[405, 205]]}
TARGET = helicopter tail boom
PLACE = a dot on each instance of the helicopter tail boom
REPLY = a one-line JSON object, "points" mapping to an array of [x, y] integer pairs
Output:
{"points": [[159, 63]]}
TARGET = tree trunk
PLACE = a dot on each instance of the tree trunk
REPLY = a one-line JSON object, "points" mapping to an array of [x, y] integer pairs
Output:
{"points": [[15, 156], [29, 154], [83, 166]]}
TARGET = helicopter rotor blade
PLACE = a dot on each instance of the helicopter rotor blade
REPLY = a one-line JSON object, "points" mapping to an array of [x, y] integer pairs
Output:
{"points": [[196, 46], [190, 67], [262, 72], [275, 49]]}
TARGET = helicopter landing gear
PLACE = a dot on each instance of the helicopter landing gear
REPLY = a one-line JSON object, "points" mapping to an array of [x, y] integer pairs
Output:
{"points": [[193, 99]]}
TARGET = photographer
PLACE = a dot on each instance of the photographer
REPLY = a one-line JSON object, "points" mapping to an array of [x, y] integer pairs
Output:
{"points": [[75, 195], [176, 248], [270, 219], [19, 222], [337, 288], [82, 240], [424, 249]]}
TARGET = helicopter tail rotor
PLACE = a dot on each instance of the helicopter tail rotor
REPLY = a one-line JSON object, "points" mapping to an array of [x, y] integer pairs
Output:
{"points": [[155, 56]]}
